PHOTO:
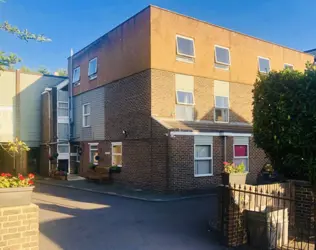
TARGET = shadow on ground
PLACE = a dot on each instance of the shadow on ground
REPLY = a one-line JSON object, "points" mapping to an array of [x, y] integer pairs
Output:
{"points": [[72, 219]]}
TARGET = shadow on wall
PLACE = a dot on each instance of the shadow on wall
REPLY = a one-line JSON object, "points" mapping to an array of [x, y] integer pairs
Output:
{"points": [[27, 118]]}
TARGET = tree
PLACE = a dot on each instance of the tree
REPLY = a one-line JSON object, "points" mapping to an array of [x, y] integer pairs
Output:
{"points": [[7, 60], [26, 69], [284, 121], [62, 72], [43, 70]]}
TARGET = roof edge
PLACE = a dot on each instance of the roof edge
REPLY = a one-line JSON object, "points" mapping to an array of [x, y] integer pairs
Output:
{"points": [[238, 32]]}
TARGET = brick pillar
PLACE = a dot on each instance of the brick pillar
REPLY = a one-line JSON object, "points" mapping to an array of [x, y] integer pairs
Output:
{"points": [[19, 227]]}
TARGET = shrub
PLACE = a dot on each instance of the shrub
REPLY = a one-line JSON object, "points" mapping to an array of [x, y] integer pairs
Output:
{"points": [[284, 121]]}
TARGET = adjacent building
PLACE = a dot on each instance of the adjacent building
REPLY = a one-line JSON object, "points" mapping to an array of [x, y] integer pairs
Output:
{"points": [[20, 115], [169, 103]]}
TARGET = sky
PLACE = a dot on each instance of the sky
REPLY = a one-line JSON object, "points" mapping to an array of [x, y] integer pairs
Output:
{"points": [[76, 23]]}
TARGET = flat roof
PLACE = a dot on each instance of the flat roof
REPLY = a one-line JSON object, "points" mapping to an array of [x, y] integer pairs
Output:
{"points": [[179, 14]]}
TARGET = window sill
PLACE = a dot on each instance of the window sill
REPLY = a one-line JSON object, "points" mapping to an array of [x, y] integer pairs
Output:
{"points": [[75, 84], [92, 77], [221, 122], [222, 66], [186, 59], [86, 126], [203, 175]]}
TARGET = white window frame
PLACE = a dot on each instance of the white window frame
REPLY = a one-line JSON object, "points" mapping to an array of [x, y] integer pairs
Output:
{"points": [[183, 103], [288, 64], [84, 115], [77, 82], [62, 108], [94, 74], [188, 38], [261, 57], [216, 61], [92, 144], [113, 154], [242, 157], [204, 159], [215, 108]]}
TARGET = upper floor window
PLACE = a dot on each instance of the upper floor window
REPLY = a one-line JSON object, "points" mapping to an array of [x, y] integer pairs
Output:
{"points": [[222, 57], [93, 67], [185, 49], [86, 115], [76, 76], [184, 97], [288, 66], [264, 64], [221, 96]]}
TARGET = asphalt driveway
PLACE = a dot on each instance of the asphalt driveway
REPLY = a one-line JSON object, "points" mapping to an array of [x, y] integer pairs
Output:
{"points": [[72, 219]]}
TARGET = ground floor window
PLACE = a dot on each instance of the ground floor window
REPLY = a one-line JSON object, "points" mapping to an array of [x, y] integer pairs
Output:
{"points": [[203, 156], [241, 151], [117, 154], [78, 153], [93, 152]]}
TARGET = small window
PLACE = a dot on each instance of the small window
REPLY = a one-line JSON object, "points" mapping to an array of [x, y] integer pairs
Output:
{"points": [[63, 131], [93, 67], [86, 115], [241, 155], [185, 46], [76, 76], [264, 65], [117, 154], [288, 66], [184, 97], [93, 152], [62, 108], [63, 148], [222, 55], [221, 109], [203, 165]]}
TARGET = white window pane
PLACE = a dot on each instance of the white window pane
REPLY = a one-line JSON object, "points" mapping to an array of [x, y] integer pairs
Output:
{"points": [[62, 112], [63, 131], [117, 149], [185, 97], [86, 109], [202, 151], [221, 115], [221, 101], [184, 112], [86, 120], [63, 105], [185, 46], [92, 67], [203, 167], [264, 65], [117, 160], [222, 55], [63, 149], [76, 75], [63, 96], [238, 161]]}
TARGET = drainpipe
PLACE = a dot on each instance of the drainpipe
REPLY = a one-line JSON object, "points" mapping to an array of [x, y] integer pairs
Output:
{"points": [[49, 129], [225, 148], [70, 107]]}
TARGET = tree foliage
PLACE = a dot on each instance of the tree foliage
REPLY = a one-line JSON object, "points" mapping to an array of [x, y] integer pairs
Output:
{"points": [[62, 72], [7, 60], [284, 121], [43, 70]]}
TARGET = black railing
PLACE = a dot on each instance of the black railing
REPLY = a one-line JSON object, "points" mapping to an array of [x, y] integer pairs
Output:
{"points": [[278, 216]]}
